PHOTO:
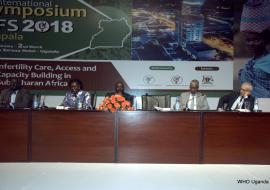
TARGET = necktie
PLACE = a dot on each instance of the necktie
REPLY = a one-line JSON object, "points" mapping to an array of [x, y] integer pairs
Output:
{"points": [[240, 103], [192, 103]]}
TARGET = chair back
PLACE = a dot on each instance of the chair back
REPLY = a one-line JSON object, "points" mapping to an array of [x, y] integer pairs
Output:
{"points": [[223, 103], [149, 101]]}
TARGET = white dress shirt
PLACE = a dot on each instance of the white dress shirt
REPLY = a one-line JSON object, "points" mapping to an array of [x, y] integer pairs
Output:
{"points": [[238, 103], [192, 102]]}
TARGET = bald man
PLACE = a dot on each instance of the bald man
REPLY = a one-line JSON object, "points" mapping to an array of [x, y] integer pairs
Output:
{"points": [[193, 99]]}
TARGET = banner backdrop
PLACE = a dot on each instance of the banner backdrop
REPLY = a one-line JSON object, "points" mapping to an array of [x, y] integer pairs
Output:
{"points": [[52, 75], [100, 75], [179, 40]]}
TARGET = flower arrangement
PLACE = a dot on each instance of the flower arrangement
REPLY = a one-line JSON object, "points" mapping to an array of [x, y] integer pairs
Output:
{"points": [[114, 103]]}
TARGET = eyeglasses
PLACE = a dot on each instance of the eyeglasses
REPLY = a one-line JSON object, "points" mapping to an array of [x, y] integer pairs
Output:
{"points": [[246, 90]]}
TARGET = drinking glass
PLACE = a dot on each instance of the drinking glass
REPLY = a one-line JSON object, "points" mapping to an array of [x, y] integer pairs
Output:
{"points": [[247, 106]]}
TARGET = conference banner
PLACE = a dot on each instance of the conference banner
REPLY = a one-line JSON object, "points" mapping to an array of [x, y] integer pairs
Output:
{"points": [[98, 75], [179, 40], [54, 75], [58, 29]]}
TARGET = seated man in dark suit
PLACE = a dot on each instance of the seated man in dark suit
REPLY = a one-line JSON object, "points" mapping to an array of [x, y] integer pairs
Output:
{"points": [[237, 100], [15, 96], [120, 90]]}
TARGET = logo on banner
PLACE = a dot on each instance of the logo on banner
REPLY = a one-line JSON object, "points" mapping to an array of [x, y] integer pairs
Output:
{"points": [[149, 79], [42, 26], [176, 80], [207, 79]]}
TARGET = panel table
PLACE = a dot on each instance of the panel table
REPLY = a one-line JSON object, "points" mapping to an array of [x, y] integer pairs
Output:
{"points": [[72, 136], [236, 138], [155, 137], [14, 137]]}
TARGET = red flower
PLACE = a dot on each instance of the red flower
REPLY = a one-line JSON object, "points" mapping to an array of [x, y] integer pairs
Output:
{"points": [[114, 103]]}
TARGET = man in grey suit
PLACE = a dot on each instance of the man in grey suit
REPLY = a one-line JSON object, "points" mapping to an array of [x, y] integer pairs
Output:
{"points": [[193, 100], [15, 96]]}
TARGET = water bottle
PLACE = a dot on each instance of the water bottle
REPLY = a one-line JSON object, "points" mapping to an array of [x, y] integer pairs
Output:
{"points": [[256, 105], [134, 103], [177, 104], [79, 103], [36, 101]]}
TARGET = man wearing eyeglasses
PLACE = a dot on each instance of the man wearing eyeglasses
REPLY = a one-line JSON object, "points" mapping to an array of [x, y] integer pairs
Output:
{"points": [[238, 100]]}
